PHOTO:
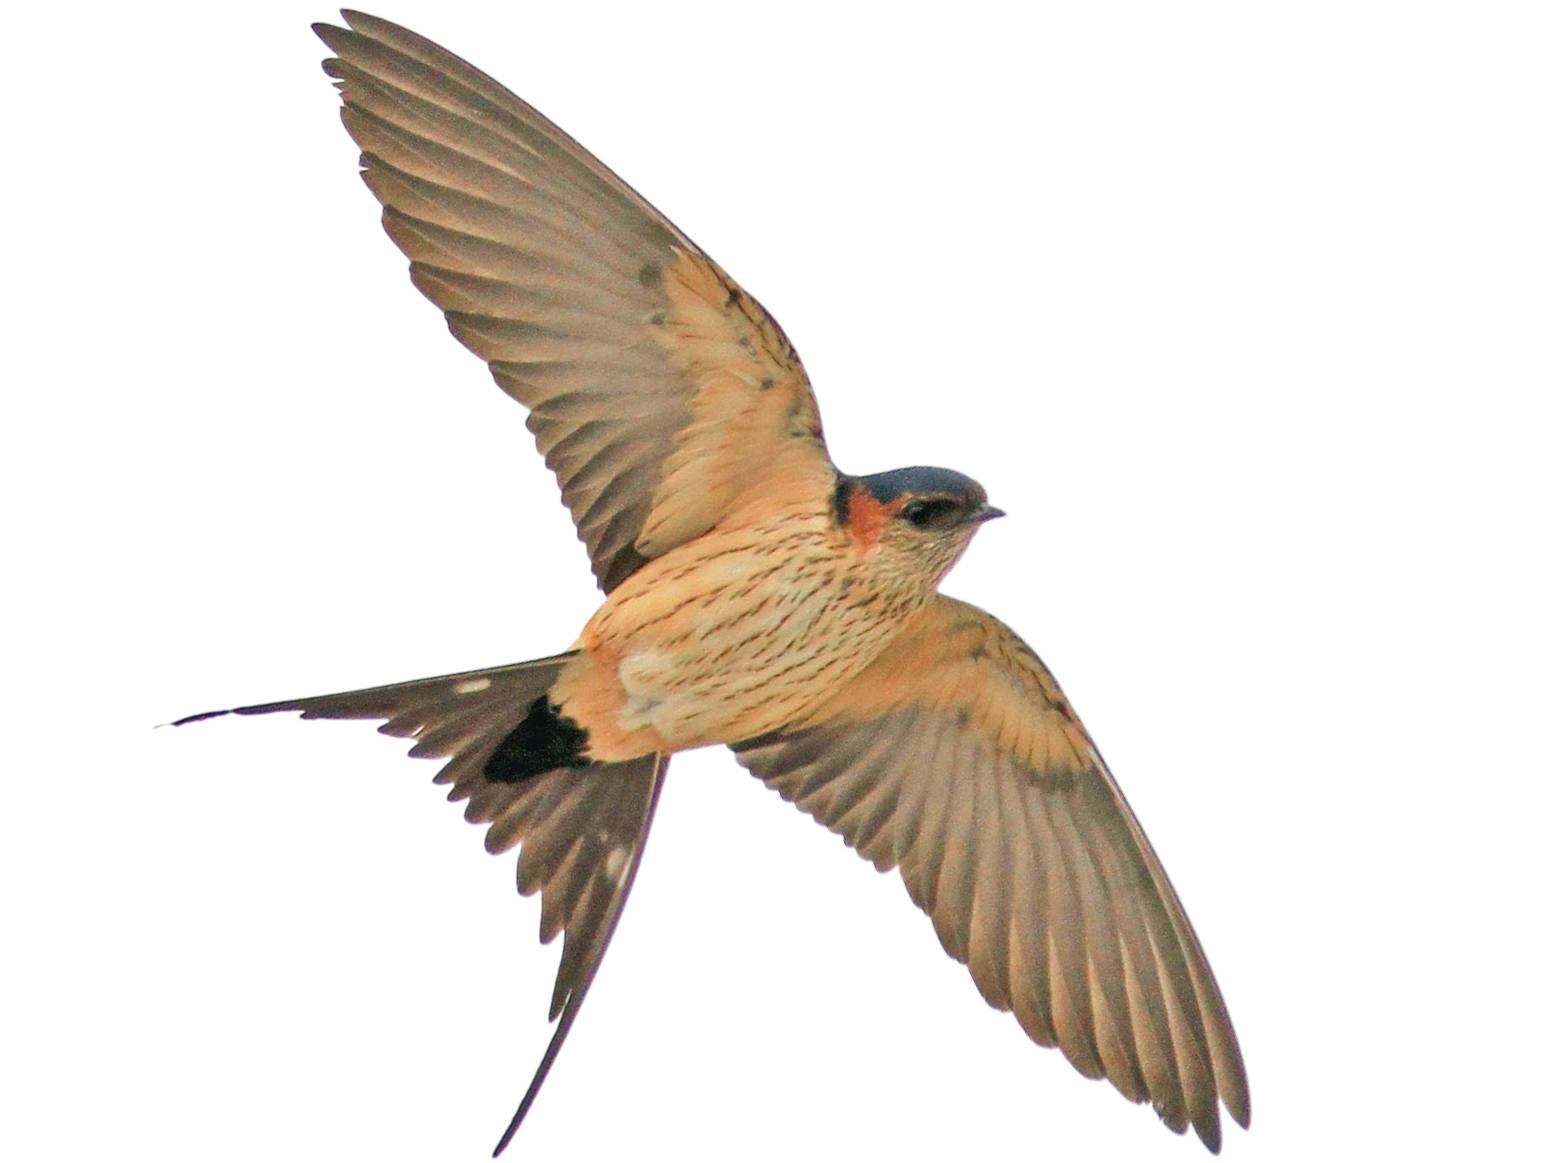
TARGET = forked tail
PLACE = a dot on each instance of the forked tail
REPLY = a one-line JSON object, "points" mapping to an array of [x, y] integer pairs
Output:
{"points": [[522, 768]]}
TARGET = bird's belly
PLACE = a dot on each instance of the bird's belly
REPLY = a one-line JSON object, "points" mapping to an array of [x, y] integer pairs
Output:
{"points": [[740, 643]]}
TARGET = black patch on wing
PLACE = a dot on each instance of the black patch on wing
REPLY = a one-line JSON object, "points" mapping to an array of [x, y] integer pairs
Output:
{"points": [[623, 564], [544, 741]]}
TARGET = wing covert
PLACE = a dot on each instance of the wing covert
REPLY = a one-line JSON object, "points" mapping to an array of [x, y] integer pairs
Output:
{"points": [[658, 391], [957, 759]]}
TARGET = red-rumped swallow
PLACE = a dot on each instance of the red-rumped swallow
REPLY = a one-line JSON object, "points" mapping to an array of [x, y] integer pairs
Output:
{"points": [[754, 596]]}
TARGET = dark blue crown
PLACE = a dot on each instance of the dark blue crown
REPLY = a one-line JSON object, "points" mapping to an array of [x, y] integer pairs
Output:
{"points": [[919, 480], [891, 485]]}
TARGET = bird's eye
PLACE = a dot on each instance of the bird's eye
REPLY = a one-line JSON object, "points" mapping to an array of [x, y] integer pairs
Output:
{"points": [[925, 514]]}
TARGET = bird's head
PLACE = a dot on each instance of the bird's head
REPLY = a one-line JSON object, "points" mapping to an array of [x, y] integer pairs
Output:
{"points": [[915, 519]]}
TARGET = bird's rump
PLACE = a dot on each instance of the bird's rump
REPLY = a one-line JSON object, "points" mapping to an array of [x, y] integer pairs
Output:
{"points": [[956, 758], [659, 392]]}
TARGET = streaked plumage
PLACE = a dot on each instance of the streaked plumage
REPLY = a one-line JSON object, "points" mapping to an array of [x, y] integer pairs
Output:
{"points": [[755, 596]]}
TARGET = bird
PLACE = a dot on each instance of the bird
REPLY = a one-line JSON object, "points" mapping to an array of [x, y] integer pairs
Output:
{"points": [[754, 596]]}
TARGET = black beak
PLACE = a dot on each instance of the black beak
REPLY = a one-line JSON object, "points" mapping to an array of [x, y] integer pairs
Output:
{"points": [[989, 513]]}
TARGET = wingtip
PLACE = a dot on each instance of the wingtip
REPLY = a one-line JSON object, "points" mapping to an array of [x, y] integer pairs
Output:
{"points": [[1211, 1136], [1210, 1133], [326, 31], [1235, 1096], [366, 23], [332, 36]]}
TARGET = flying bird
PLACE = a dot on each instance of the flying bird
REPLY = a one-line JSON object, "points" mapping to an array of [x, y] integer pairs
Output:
{"points": [[754, 596]]}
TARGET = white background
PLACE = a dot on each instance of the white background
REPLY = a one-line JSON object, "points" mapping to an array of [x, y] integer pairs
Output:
{"points": [[1239, 310]]}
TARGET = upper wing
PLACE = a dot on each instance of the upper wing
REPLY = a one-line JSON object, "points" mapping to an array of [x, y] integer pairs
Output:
{"points": [[658, 390], [956, 757], [581, 833]]}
